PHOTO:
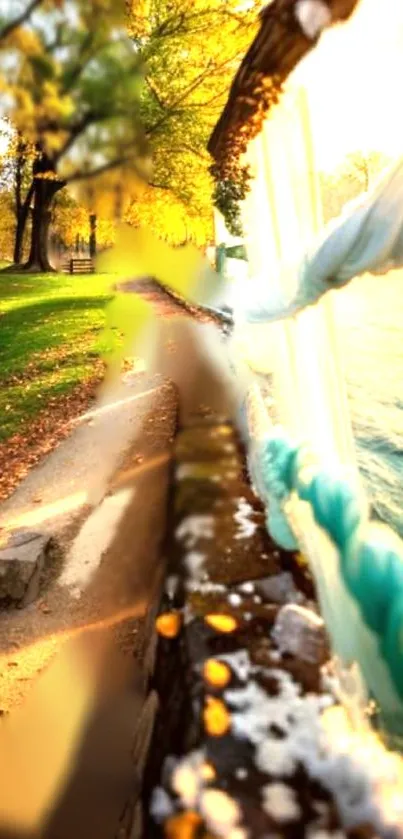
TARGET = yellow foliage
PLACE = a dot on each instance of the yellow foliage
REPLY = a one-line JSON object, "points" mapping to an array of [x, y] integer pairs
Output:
{"points": [[26, 41], [128, 318], [108, 193], [171, 218], [106, 233], [71, 220], [7, 224], [55, 106], [139, 253], [84, 108], [191, 49]]}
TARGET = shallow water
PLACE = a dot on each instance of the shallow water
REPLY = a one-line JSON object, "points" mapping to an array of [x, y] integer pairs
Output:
{"points": [[370, 320]]}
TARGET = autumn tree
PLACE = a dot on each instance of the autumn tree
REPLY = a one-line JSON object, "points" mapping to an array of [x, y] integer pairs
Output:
{"points": [[16, 17], [16, 183], [16, 180], [77, 102], [190, 50], [74, 99], [70, 224], [6, 227]]}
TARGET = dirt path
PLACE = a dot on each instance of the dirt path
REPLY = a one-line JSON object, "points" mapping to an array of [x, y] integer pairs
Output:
{"points": [[92, 493], [111, 551], [103, 492]]}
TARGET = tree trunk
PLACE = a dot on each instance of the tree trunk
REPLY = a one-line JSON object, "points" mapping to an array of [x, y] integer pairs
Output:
{"points": [[19, 239], [22, 205], [44, 193], [93, 235], [20, 228]]}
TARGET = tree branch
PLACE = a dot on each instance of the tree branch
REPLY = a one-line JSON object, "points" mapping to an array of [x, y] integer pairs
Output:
{"points": [[186, 23], [75, 132], [90, 118], [203, 155], [9, 27], [152, 88], [75, 73], [171, 108], [23, 209], [76, 177], [83, 60], [279, 46]]}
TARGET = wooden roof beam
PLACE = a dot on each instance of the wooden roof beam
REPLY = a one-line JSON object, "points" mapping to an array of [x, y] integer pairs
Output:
{"points": [[289, 30]]}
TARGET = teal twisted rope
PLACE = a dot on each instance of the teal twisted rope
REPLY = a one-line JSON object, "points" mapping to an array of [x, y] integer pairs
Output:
{"points": [[270, 467], [370, 555], [367, 237]]}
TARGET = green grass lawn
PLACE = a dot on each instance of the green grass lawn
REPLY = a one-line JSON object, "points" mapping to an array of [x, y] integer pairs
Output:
{"points": [[51, 337]]}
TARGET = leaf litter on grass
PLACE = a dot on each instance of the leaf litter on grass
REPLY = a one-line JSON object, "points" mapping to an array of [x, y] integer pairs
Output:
{"points": [[52, 338]]}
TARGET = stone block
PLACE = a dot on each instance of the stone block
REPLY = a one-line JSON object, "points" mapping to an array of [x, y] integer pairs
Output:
{"points": [[301, 633], [22, 565]]}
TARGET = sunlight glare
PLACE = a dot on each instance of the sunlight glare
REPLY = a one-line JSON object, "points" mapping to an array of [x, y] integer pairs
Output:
{"points": [[353, 81], [48, 511]]}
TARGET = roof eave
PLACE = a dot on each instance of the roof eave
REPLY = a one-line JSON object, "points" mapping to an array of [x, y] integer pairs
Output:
{"points": [[279, 46]]}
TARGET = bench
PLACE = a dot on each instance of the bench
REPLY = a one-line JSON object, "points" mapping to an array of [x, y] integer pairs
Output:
{"points": [[79, 266]]}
